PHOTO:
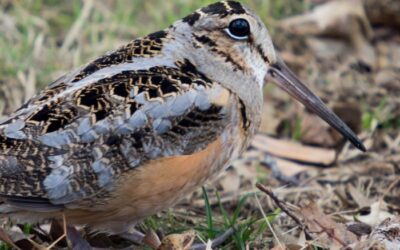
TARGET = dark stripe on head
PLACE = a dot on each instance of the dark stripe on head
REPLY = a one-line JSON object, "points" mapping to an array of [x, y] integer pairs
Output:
{"points": [[224, 8], [258, 48], [262, 53], [215, 8], [205, 40], [229, 59], [221, 8], [192, 18], [237, 8], [245, 121]]}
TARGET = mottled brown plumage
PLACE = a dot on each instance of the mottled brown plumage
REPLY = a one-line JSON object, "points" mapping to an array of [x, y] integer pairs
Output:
{"points": [[132, 132]]}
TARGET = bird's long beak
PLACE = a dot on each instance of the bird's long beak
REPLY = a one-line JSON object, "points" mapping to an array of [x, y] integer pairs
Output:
{"points": [[280, 74]]}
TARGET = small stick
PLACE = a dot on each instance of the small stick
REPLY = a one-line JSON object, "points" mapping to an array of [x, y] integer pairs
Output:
{"points": [[269, 192], [279, 203], [217, 241], [330, 232], [391, 186], [269, 224], [6, 238], [64, 235]]}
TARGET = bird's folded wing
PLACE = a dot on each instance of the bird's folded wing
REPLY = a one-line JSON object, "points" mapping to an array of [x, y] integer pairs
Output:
{"points": [[73, 142]]}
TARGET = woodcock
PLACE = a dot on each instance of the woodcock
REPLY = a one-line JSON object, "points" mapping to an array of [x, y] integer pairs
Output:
{"points": [[137, 129]]}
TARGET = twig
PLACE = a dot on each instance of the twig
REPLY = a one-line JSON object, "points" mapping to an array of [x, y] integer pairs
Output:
{"points": [[278, 202], [330, 232], [391, 186], [217, 241], [269, 224], [63, 236], [269, 192], [6, 238]]}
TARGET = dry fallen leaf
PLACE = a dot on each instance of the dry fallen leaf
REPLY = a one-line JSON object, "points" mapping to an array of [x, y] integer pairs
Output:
{"points": [[348, 20], [294, 151], [151, 239], [290, 168], [322, 20], [181, 241], [330, 233], [383, 12], [279, 247]]}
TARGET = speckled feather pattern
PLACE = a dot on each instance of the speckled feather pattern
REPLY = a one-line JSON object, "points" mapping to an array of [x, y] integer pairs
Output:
{"points": [[174, 93], [131, 117]]}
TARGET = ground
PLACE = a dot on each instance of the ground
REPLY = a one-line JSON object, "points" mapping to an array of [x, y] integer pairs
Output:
{"points": [[323, 190]]}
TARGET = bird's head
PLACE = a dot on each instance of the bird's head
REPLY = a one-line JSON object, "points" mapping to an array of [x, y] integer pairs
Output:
{"points": [[230, 44]]}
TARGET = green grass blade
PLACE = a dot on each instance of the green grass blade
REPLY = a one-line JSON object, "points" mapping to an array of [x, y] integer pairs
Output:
{"points": [[210, 225]]}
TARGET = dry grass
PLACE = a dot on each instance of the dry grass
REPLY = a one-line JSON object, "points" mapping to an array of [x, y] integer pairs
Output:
{"points": [[45, 39]]}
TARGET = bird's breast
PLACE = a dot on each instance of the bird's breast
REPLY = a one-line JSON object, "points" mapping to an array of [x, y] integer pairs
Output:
{"points": [[161, 183]]}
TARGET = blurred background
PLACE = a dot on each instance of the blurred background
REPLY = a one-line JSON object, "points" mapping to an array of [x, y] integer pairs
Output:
{"points": [[347, 51]]}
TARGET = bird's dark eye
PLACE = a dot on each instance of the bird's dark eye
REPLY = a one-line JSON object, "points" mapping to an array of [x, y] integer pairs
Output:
{"points": [[239, 29]]}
